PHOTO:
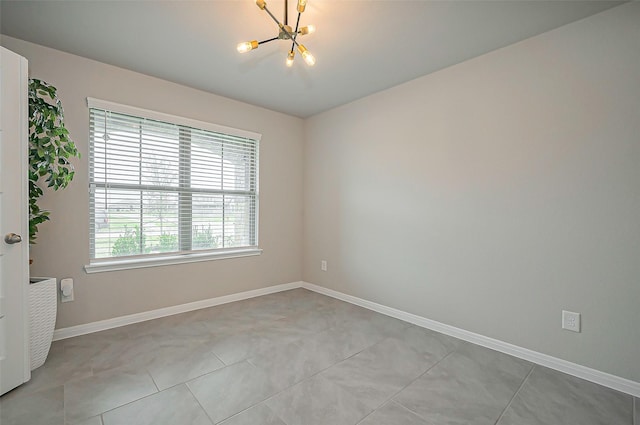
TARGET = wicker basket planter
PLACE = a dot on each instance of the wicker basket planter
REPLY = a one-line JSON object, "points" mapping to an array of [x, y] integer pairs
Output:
{"points": [[43, 306]]}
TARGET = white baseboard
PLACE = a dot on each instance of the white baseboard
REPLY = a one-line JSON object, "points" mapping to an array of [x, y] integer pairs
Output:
{"points": [[596, 376], [586, 373], [116, 322]]}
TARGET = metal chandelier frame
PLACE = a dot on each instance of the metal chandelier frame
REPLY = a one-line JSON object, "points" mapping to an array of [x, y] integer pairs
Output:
{"points": [[286, 32]]}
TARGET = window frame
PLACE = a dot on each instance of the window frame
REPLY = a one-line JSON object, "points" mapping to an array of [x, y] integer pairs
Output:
{"points": [[96, 265]]}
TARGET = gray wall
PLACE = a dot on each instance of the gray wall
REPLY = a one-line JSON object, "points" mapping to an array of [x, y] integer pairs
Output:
{"points": [[495, 193], [63, 244]]}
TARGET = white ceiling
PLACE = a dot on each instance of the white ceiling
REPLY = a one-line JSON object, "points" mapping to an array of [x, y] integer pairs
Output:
{"points": [[361, 47]]}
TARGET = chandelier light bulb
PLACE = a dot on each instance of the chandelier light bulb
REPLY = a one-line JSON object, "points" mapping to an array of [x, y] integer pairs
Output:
{"points": [[247, 46], [261, 4], [309, 29], [301, 5], [290, 57], [309, 58], [306, 55]]}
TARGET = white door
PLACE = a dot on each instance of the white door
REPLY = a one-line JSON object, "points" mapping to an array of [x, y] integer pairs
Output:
{"points": [[14, 253]]}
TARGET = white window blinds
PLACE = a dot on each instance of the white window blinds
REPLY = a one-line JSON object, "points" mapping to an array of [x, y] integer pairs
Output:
{"points": [[167, 185]]}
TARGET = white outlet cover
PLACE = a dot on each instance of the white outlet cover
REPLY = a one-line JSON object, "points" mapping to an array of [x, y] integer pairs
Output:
{"points": [[68, 283], [323, 265], [571, 321]]}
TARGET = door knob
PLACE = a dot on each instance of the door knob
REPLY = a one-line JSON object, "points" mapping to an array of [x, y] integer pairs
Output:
{"points": [[12, 238]]}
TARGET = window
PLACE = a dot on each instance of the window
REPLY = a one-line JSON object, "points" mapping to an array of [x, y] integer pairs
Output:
{"points": [[168, 187]]}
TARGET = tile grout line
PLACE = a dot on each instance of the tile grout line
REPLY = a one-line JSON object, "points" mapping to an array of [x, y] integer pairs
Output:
{"points": [[64, 402], [258, 402], [258, 329], [213, 353], [304, 379], [296, 342], [275, 413], [246, 360], [339, 361], [333, 364], [133, 401], [153, 380], [390, 398], [407, 409], [526, 378], [252, 406], [199, 404], [341, 324]]}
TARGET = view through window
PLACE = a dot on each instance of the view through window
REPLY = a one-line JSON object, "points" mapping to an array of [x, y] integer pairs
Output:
{"points": [[159, 187]]}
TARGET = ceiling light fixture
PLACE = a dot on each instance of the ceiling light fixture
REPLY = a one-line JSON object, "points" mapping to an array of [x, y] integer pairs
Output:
{"points": [[285, 33]]}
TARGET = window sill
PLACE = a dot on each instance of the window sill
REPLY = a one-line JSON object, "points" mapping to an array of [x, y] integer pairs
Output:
{"points": [[139, 263]]}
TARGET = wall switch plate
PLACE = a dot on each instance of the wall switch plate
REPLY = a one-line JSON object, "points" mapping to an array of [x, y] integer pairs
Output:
{"points": [[570, 321], [323, 265]]}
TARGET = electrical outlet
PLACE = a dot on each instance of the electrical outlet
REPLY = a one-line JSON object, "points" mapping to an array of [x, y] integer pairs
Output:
{"points": [[323, 265], [66, 290], [570, 321]]}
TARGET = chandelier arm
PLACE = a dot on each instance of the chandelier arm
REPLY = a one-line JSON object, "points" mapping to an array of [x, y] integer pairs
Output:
{"points": [[286, 12], [266, 9], [295, 33], [268, 40], [297, 23]]}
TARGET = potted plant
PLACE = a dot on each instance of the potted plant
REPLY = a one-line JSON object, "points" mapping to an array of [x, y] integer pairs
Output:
{"points": [[50, 149]]}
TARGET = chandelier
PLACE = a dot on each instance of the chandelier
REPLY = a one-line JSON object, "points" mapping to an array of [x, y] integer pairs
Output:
{"points": [[286, 33]]}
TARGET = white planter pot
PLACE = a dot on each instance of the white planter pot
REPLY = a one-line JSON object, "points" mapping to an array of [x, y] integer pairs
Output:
{"points": [[43, 306]]}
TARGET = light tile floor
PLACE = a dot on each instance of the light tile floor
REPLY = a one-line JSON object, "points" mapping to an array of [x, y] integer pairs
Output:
{"points": [[298, 358]]}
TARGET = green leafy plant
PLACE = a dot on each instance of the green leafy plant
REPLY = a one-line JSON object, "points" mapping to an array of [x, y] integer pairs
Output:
{"points": [[129, 243], [50, 149], [168, 243], [204, 238]]}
